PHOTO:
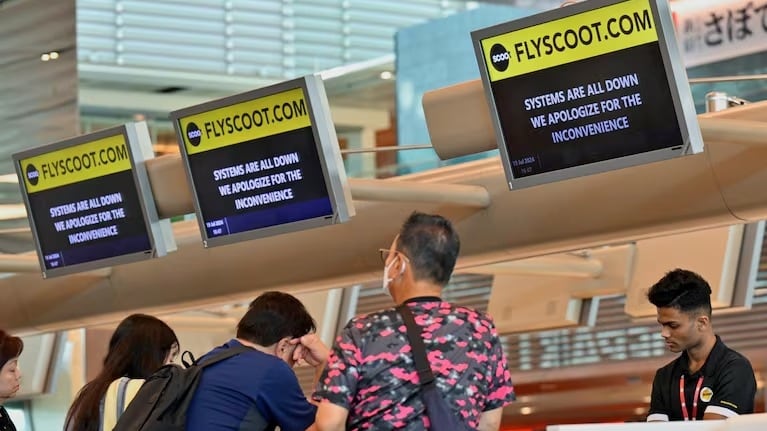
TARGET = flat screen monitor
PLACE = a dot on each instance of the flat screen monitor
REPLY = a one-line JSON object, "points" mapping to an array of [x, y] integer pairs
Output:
{"points": [[586, 88], [263, 163], [89, 201]]}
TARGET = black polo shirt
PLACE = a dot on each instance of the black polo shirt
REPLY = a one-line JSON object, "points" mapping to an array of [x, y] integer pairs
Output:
{"points": [[728, 386]]}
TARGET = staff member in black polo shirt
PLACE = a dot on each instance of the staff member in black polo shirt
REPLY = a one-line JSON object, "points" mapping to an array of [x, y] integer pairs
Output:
{"points": [[708, 380]]}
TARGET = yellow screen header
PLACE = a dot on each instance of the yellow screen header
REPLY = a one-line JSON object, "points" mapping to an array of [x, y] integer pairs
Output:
{"points": [[566, 40], [245, 121], [74, 164]]}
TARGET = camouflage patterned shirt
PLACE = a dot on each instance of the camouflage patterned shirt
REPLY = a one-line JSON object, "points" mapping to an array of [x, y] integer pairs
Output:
{"points": [[371, 373]]}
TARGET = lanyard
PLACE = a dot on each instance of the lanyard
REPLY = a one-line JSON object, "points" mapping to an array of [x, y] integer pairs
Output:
{"points": [[694, 398]]}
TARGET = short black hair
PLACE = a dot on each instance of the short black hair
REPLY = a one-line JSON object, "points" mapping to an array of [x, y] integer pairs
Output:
{"points": [[274, 316], [683, 290], [431, 244]]}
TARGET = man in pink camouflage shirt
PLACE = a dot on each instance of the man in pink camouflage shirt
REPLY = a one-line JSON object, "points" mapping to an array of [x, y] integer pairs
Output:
{"points": [[370, 381]]}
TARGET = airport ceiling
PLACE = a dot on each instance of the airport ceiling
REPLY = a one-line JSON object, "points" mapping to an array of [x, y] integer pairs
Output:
{"points": [[42, 94], [367, 85], [37, 96]]}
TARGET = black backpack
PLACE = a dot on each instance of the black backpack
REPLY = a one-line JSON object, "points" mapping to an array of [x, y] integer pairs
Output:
{"points": [[162, 401]]}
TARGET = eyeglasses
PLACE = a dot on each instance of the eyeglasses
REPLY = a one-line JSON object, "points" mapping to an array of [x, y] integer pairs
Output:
{"points": [[385, 254]]}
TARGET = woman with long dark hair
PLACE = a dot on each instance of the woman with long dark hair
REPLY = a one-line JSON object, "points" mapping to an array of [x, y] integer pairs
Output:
{"points": [[140, 345], [10, 374]]}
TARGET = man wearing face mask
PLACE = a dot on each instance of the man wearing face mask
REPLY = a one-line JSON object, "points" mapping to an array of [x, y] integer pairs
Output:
{"points": [[370, 381], [257, 390], [708, 380]]}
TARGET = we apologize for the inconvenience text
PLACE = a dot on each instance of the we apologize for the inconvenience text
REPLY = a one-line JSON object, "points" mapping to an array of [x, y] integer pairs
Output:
{"points": [[609, 106], [89, 219], [271, 171]]}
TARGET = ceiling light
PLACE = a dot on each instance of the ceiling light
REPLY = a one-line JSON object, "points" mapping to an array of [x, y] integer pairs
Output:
{"points": [[386, 75], [53, 55], [526, 410], [639, 411]]}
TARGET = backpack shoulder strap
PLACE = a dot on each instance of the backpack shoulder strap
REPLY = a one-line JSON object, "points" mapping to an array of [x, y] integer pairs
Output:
{"points": [[187, 359], [422, 366], [223, 354]]}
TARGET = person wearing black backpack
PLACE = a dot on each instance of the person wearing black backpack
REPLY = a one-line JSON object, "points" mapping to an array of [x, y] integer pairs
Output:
{"points": [[256, 389], [424, 365], [139, 346]]}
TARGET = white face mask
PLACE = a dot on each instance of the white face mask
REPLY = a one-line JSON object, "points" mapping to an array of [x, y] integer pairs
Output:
{"points": [[386, 280]]}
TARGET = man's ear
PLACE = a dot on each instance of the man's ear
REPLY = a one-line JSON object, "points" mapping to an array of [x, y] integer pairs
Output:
{"points": [[702, 322], [282, 345]]}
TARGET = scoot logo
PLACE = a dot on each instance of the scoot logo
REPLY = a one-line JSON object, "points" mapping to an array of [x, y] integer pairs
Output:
{"points": [[32, 174], [500, 57], [194, 134]]}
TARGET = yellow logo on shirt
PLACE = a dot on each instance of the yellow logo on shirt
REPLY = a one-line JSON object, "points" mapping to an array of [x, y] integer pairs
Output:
{"points": [[706, 394]]}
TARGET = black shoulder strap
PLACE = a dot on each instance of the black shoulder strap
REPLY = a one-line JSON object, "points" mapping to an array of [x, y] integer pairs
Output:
{"points": [[425, 376], [187, 359], [223, 354]]}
